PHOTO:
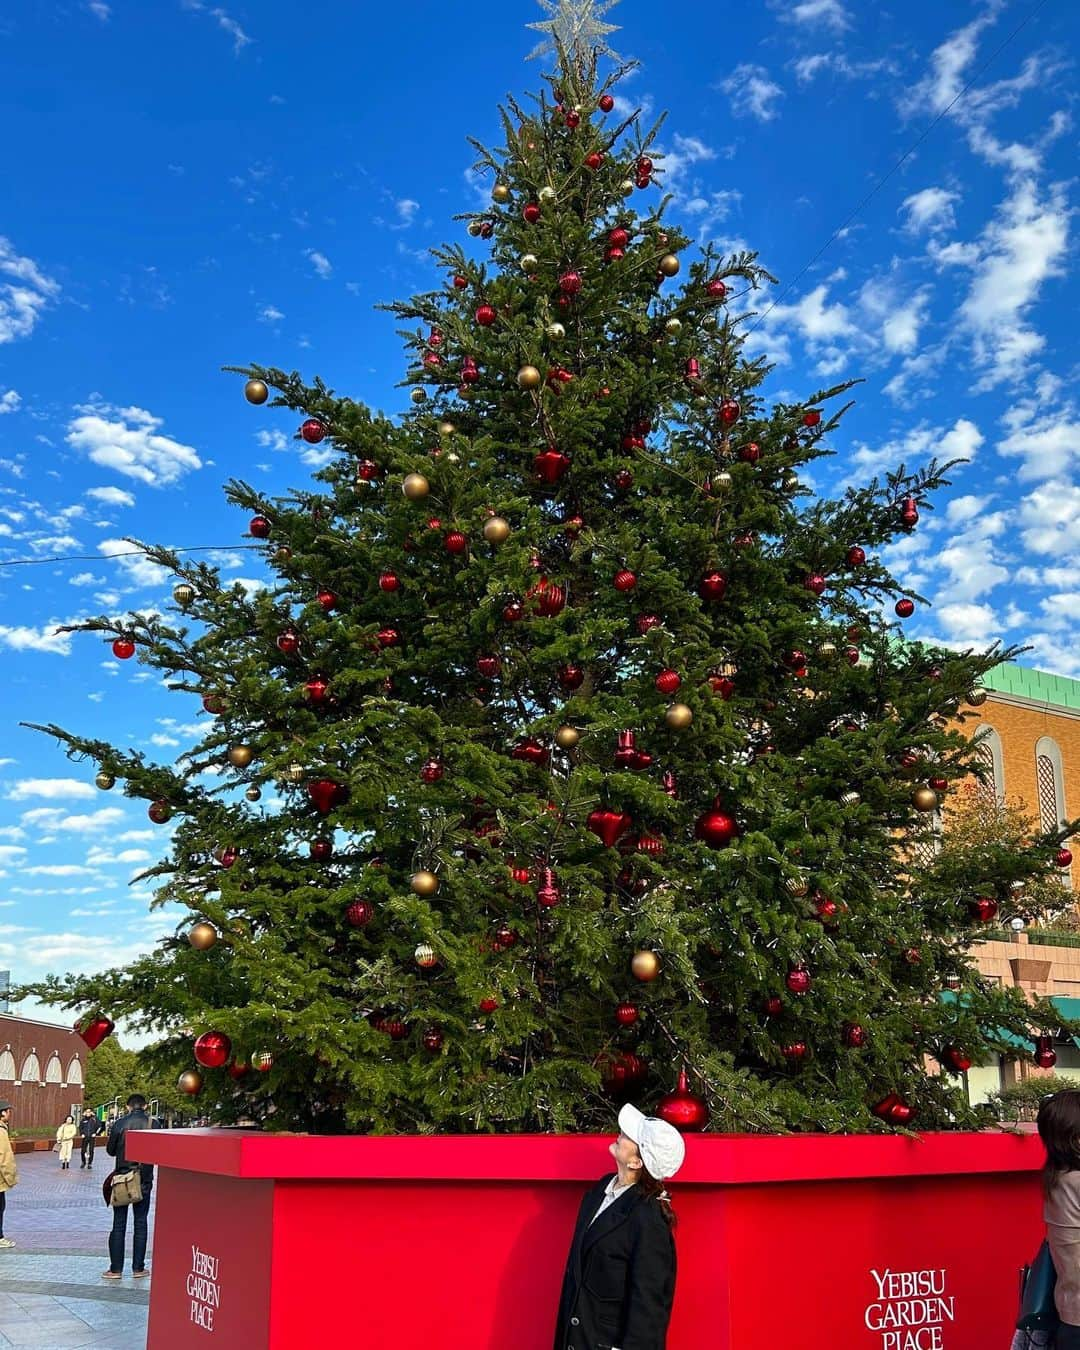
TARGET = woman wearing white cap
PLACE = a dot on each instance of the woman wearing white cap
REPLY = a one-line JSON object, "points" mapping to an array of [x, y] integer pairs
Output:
{"points": [[620, 1276]]}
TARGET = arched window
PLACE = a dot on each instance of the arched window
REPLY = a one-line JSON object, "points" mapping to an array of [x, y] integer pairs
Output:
{"points": [[75, 1072], [54, 1072], [988, 748], [1050, 777], [7, 1066], [31, 1069]]}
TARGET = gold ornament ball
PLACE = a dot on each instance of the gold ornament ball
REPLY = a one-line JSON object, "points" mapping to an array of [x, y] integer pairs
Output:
{"points": [[191, 1082], [500, 193], [253, 793], [924, 799], [529, 263], [528, 377], [556, 331], [255, 391], [977, 697], [262, 1060], [626, 187], [202, 935], [673, 327], [850, 799], [415, 486], [678, 716], [645, 966], [419, 395], [827, 649], [424, 883], [104, 781], [447, 429], [474, 228], [722, 481], [183, 594], [496, 530], [797, 886], [424, 956], [240, 756], [567, 737], [294, 773], [669, 264], [791, 482], [547, 194], [451, 458]]}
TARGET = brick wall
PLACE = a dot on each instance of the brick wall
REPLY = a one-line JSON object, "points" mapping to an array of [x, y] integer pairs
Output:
{"points": [[42, 1068]]}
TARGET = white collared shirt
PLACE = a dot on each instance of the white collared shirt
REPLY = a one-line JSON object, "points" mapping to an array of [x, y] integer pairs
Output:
{"points": [[612, 1191]]}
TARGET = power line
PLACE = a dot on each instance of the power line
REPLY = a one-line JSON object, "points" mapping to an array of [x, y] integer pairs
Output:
{"points": [[901, 161], [124, 553]]}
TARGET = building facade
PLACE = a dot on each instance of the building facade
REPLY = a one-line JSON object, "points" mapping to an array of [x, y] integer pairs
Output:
{"points": [[42, 1070], [1029, 734]]}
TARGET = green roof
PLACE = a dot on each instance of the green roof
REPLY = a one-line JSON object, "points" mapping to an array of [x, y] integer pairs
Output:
{"points": [[994, 1033], [1068, 1007], [1057, 691]]}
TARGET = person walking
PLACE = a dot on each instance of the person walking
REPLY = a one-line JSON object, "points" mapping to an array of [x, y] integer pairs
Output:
{"points": [[88, 1129], [619, 1283], [9, 1171], [65, 1138], [115, 1146]]}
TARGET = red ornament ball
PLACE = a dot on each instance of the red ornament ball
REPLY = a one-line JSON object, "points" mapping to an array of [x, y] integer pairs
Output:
{"points": [[317, 690], [983, 908], [485, 316], [750, 452], [795, 1052], [312, 431], [288, 642], [854, 1036], [624, 580], [1063, 857], [325, 794], [623, 480], [431, 771], [681, 1108], [815, 583], [389, 581], [570, 283], [571, 677], [322, 850], [432, 1040], [259, 527], [531, 212], [123, 649], [811, 418], [159, 811], [605, 103], [772, 1006], [626, 1014], [717, 828], [460, 282], [646, 622], [488, 666], [798, 980], [668, 681], [489, 1004], [360, 913], [594, 160], [856, 556], [327, 601], [713, 586], [212, 1050], [388, 637], [729, 412], [456, 542], [1045, 1059], [618, 237], [905, 608]]}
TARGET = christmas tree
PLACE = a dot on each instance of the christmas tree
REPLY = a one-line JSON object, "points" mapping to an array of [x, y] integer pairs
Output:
{"points": [[597, 754]]}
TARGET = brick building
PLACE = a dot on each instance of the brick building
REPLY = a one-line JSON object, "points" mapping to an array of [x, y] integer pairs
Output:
{"points": [[42, 1068], [1029, 730]]}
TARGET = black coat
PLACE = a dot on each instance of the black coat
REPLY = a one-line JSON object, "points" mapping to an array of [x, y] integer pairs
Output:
{"points": [[115, 1145], [620, 1276]]}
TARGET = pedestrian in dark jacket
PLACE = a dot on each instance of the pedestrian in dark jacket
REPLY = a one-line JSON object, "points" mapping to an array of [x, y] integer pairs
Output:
{"points": [[88, 1129], [136, 1119], [620, 1276]]}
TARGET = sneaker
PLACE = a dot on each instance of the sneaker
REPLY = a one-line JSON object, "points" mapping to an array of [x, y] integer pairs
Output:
{"points": [[141, 1274], [7, 1242], [112, 1274]]}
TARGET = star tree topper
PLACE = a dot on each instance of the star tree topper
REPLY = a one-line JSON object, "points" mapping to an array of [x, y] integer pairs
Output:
{"points": [[577, 26]]}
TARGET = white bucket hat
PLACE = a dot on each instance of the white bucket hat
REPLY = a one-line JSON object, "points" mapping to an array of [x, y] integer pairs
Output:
{"points": [[661, 1145]]}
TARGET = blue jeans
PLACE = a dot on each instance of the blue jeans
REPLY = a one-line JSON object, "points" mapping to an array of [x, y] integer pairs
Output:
{"points": [[119, 1233]]}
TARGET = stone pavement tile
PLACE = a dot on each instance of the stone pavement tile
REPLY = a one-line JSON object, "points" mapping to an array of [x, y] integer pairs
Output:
{"points": [[49, 1333], [103, 1316]]}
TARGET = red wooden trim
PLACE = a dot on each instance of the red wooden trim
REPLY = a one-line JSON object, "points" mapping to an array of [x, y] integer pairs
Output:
{"points": [[712, 1159]]}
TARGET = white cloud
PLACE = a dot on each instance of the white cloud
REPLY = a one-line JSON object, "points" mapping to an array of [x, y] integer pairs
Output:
{"points": [[57, 870], [752, 92], [1021, 248], [111, 496], [918, 443], [103, 857], [969, 624], [54, 789], [320, 262], [272, 440], [139, 570], [99, 9], [23, 639], [830, 13], [961, 442], [406, 209], [1050, 517], [9, 401], [127, 440], [224, 21], [10, 853], [930, 209], [270, 314], [24, 293], [102, 819], [808, 68]]}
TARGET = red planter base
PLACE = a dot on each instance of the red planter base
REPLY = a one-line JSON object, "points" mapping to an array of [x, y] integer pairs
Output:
{"points": [[283, 1242]]}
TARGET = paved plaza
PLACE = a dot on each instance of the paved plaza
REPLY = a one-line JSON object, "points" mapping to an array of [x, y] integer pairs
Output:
{"points": [[52, 1296]]}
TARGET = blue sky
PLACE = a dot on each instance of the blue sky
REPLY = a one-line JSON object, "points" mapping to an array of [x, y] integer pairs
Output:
{"points": [[191, 184]]}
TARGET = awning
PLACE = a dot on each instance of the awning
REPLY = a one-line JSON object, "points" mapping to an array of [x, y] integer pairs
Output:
{"points": [[1024, 1043], [1068, 1007]]}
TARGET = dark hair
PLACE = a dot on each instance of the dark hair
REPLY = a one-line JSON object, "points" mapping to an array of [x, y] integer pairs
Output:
{"points": [[1059, 1129], [137, 1101], [653, 1189]]}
